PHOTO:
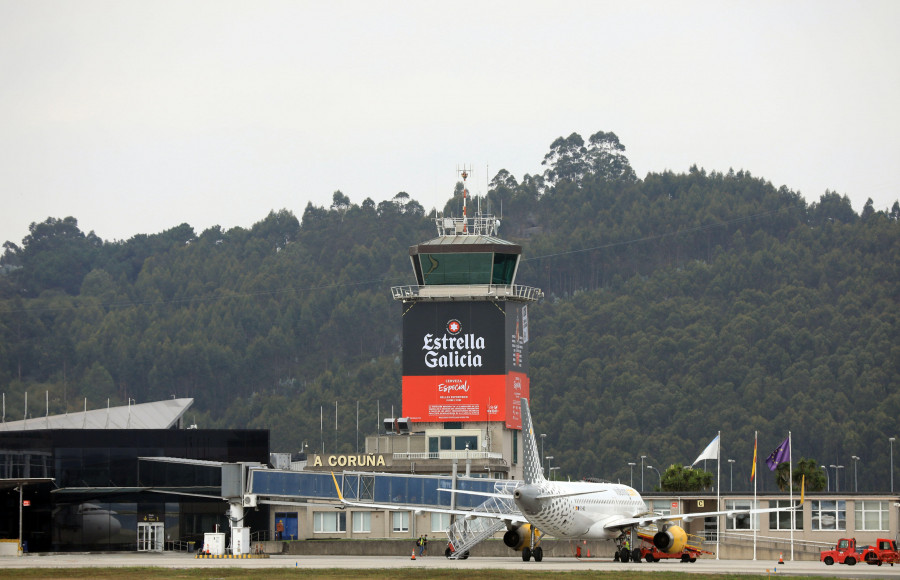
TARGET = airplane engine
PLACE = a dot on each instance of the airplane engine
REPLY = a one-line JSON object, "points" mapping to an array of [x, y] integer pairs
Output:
{"points": [[670, 539], [520, 537]]}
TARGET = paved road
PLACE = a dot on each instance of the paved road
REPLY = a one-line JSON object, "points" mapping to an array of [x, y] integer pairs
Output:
{"points": [[707, 566]]}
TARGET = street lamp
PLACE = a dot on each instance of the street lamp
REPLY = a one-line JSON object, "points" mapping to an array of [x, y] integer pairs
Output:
{"points": [[548, 458], [643, 457], [855, 459], [731, 477], [827, 479], [631, 465], [891, 439], [657, 473], [837, 478], [552, 469], [543, 436]]}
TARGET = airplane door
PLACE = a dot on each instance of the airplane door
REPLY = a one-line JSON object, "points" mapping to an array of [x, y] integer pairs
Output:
{"points": [[150, 536]]}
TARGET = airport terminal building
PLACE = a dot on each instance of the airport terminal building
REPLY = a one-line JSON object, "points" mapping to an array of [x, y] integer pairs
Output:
{"points": [[89, 481]]}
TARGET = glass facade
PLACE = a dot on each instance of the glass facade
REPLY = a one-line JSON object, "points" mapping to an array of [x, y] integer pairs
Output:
{"points": [[99, 494]]}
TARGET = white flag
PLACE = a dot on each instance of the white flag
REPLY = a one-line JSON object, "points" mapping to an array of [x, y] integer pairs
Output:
{"points": [[711, 452]]}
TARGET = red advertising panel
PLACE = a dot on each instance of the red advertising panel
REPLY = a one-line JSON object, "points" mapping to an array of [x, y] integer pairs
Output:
{"points": [[464, 361]]}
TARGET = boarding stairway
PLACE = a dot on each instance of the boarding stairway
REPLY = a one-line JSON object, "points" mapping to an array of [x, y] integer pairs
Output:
{"points": [[466, 533]]}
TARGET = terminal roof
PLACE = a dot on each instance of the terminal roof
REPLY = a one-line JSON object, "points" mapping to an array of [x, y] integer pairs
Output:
{"points": [[465, 243], [156, 415]]}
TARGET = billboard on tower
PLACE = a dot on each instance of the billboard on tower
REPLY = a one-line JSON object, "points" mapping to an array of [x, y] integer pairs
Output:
{"points": [[465, 361]]}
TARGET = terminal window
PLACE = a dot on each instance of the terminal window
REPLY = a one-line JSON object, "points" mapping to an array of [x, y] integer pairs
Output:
{"points": [[829, 515], [872, 515], [440, 522], [362, 522], [782, 520], [400, 521], [329, 522], [741, 521]]}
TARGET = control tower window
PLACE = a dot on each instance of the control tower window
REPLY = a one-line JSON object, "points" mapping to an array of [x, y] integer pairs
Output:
{"points": [[473, 268], [504, 269]]}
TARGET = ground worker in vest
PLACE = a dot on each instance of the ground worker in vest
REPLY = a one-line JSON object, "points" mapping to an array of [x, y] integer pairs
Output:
{"points": [[279, 530]]}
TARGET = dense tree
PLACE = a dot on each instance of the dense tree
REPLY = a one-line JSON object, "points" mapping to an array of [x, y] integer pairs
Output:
{"points": [[680, 478], [712, 298]]}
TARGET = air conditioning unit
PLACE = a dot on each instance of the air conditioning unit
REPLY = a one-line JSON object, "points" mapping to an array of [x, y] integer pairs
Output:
{"points": [[399, 426], [250, 500]]}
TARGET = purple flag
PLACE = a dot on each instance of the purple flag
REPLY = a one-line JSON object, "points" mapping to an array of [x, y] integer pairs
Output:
{"points": [[781, 454]]}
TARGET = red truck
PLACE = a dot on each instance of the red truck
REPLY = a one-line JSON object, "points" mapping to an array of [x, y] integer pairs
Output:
{"points": [[847, 552]]}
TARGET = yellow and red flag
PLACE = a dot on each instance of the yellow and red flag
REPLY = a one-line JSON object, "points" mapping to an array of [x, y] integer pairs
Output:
{"points": [[753, 470]]}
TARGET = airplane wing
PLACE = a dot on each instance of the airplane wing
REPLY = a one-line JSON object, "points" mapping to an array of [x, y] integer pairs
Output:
{"points": [[509, 517], [641, 521]]}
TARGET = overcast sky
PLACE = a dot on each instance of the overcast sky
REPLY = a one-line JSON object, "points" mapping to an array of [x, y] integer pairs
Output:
{"points": [[134, 117]]}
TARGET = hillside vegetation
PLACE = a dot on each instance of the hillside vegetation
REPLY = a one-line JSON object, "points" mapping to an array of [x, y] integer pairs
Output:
{"points": [[677, 306]]}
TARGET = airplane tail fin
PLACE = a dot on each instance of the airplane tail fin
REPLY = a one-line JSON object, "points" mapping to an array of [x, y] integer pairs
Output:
{"points": [[533, 465]]}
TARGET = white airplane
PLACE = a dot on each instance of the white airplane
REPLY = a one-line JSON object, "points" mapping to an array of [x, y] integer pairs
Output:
{"points": [[576, 510]]}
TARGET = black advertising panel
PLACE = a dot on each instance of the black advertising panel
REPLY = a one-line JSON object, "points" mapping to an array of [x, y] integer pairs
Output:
{"points": [[454, 338]]}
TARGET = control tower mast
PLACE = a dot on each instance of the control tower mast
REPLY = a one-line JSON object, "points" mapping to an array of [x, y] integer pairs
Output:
{"points": [[465, 336]]}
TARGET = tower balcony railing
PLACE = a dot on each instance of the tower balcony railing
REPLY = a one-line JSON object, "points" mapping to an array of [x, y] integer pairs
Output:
{"points": [[474, 455], [467, 292]]}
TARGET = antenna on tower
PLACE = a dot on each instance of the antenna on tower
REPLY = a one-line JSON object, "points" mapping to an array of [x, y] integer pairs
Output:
{"points": [[464, 173], [480, 224]]}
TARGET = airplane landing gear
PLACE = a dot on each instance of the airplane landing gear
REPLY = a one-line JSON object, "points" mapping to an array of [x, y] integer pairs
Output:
{"points": [[532, 550]]}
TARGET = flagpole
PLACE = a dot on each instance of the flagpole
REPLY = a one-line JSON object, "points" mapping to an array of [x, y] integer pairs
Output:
{"points": [[791, 487], [755, 517], [719, 492]]}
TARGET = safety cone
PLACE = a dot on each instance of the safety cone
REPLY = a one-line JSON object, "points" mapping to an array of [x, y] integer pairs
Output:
{"points": [[781, 557], [413, 556]]}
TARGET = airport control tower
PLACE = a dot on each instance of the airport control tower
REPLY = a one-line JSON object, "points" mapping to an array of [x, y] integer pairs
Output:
{"points": [[465, 338]]}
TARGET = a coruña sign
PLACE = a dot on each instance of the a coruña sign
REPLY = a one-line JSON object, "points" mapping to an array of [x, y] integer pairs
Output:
{"points": [[337, 460]]}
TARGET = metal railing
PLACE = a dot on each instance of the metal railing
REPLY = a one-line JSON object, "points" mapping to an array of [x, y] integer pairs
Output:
{"points": [[466, 533], [180, 546], [467, 292], [449, 455]]}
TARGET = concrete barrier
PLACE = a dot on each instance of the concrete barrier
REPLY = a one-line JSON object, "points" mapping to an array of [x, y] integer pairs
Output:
{"points": [[383, 547], [10, 548]]}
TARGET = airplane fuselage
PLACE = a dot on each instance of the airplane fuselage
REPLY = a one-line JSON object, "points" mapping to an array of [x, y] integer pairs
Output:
{"points": [[551, 507]]}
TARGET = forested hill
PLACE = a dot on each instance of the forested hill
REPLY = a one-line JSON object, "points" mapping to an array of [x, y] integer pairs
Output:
{"points": [[677, 306]]}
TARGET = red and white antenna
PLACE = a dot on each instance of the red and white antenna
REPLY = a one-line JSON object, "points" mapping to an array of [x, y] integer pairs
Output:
{"points": [[465, 174]]}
